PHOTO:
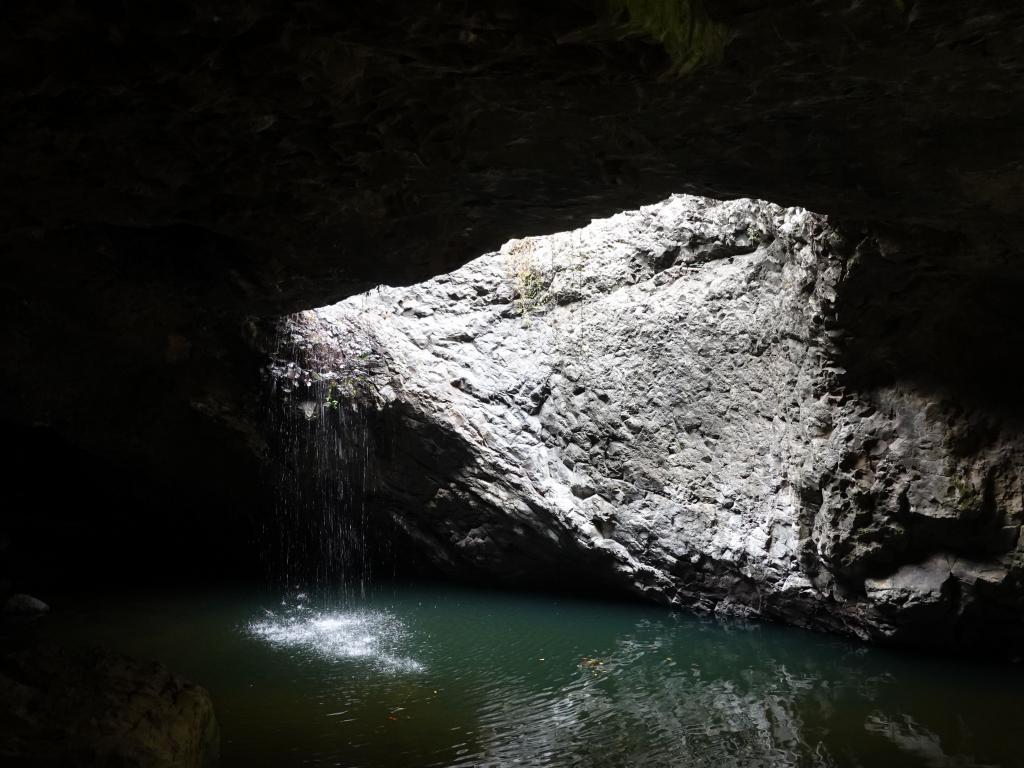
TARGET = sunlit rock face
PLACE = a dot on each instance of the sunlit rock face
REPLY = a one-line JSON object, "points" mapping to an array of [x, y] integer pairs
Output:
{"points": [[712, 404]]}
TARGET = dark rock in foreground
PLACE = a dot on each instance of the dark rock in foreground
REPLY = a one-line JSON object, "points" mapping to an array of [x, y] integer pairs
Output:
{"points": [[98, 708], [24, 605]]}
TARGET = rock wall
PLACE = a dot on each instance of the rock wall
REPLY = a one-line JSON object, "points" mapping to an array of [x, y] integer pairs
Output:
{"points": [[728, 406]]}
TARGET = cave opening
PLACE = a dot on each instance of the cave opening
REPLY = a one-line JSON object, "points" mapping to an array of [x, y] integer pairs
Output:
{"points": [[712, 481]]}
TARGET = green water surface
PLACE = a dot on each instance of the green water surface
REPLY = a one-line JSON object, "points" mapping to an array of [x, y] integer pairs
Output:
{"points": [[440, 676]]}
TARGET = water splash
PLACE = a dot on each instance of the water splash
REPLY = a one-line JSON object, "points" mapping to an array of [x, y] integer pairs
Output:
{"points": [[375, 638]]}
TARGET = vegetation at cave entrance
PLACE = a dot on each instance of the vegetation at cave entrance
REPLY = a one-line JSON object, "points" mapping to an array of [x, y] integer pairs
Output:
{"points": [[682, 27]]}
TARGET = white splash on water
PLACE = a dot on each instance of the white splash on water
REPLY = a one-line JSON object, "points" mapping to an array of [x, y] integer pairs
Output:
{"points": [[373, 637]]}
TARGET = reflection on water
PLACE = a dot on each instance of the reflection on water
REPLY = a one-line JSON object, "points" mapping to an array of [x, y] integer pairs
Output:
{"points": [[443, 677]]}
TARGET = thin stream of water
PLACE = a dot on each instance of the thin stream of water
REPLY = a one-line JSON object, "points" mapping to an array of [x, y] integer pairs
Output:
{"points": [[322, 444]]}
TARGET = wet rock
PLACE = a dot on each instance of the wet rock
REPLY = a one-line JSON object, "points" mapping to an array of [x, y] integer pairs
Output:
{"points": [[94, 707]]}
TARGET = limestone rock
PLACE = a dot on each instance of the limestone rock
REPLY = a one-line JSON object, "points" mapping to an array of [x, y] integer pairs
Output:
{"points": [[913, 585], [689, 402]]}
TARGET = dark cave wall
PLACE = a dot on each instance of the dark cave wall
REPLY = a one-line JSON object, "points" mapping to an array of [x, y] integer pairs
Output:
{"points": [[942, 313], [303, 133], [77, 522]]}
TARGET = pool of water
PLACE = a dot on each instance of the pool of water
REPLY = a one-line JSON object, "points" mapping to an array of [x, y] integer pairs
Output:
{"points": [[441, 676]]}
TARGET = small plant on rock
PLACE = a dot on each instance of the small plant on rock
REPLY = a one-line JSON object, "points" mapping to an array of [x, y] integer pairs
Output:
{"points": [[530, 280], [331, 401]]}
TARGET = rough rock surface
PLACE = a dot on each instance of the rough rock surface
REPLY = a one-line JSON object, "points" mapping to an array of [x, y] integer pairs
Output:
{"points": [[706, 403], [98, 708]]}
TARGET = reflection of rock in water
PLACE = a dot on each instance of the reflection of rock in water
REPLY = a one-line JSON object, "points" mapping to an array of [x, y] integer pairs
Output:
{"points": [[752, 701], [652, 715], [917, 743]]}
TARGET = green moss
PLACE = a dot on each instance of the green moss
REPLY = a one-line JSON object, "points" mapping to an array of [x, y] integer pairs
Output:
{"points": [[349, 384], [331, 401], [682, 27]]}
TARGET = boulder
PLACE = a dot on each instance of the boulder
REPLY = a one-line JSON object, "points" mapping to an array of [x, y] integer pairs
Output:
{"points": [[64, 707], [24, 605], [730, 406]]}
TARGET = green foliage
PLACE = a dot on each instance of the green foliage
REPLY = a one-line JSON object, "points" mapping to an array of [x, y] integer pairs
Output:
{"points": [[682, 27], [350, 384], [331, 401]]}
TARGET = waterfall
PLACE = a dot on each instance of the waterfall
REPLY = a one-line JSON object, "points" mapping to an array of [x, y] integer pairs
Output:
{"points": [[323, 423]]}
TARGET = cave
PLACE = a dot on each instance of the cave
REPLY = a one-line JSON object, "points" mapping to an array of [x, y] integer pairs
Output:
{"points": [[565, 383]]}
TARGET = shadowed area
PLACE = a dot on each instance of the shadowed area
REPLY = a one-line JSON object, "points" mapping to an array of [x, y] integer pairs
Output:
{"points": [[941, 314]]}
